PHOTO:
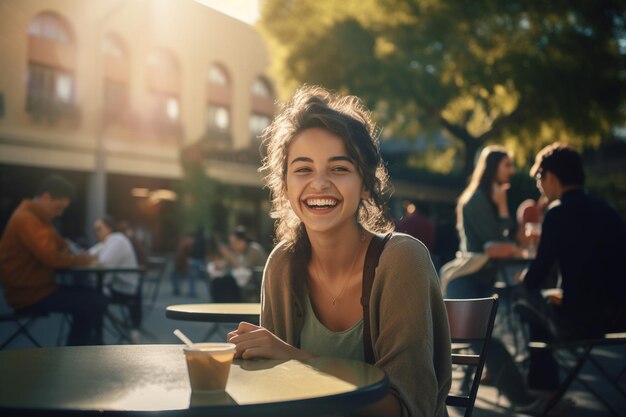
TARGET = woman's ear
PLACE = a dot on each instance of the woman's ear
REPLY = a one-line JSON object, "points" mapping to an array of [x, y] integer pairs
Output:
{"points": [[365, 194]]}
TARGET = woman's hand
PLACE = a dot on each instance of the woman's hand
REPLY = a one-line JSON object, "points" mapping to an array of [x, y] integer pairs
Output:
{"points": [[257, 342], [498, 249]]}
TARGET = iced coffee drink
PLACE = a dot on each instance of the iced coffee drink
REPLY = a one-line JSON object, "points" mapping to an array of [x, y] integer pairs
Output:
{"points": [[208, 365]]}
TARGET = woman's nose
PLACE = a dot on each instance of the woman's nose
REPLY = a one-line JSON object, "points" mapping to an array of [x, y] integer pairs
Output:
{"points": [[320, 182]]}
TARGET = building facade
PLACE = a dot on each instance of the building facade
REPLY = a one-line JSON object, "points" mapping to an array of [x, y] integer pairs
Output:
{"points": [[111, 93]]}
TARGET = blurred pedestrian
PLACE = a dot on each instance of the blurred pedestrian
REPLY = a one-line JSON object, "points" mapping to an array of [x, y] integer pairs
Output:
{"points": [[180, 272], [246, 259], [222, 285], [140, 252]]}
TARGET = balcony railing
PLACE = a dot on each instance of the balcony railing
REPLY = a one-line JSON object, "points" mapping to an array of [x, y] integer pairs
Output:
{"points": [[217, 140], [43, 107]]}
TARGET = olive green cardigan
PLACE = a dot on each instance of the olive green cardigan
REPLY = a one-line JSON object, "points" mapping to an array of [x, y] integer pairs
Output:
{"points": [[408, 319]]}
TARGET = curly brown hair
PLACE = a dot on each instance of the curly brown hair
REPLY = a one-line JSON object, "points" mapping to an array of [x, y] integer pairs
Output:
{"points": [[348, 118]]}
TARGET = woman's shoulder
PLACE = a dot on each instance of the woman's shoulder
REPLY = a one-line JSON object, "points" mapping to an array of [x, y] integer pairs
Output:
{"points": [[280, 254], [404, 242], [477, 197], [405, 263], [118, 238], [403, 249]]}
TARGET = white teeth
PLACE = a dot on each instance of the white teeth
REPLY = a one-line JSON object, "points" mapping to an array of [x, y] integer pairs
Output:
{"points": [[321, 202]]}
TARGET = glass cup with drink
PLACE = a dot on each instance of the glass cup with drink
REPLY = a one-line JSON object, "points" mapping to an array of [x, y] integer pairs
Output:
{"points": [[532, 231]]}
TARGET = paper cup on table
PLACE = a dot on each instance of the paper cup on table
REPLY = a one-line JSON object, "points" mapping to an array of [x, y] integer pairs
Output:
{"points": [[208, 365]]}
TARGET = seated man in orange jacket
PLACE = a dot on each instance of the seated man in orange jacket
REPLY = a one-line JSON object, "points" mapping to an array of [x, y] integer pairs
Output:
{"points": [[31, 250]]}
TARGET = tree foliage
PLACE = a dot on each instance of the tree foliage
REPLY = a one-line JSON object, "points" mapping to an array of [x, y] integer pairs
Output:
{"points": [[197, 192], [522, 73]]}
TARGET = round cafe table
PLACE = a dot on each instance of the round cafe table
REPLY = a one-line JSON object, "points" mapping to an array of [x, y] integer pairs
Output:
{"points": [[215, 312], [151, 380]]}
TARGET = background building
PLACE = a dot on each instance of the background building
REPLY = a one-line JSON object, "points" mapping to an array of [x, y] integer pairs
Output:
{"points": [[110, 94]]}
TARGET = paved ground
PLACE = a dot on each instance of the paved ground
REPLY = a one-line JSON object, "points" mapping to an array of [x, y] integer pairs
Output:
{"points": [[158, 329]]}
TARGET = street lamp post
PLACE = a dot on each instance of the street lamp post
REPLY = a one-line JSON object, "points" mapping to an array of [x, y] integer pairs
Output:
{"points": [[97, 191]]}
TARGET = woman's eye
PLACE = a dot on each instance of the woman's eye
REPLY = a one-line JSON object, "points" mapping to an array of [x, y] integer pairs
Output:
{"points": [[302, 170], [341, 169]]}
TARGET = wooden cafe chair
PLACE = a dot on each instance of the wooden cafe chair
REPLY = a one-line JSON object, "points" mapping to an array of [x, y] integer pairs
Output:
{"points": [[471, 322]]}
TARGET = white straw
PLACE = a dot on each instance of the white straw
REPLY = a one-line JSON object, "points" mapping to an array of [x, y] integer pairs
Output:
{"points": [[184, 338]]}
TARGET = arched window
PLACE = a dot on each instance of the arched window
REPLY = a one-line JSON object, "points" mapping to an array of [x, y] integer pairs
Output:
{"points": [[50, 26], [218, 76], [164, 85], [218, 107], [51, 63], [116, 77], [260, 88], [262, 106]]}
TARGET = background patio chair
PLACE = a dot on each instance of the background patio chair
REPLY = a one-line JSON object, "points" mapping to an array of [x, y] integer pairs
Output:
{"points": [[572, 356], [471, 321]]}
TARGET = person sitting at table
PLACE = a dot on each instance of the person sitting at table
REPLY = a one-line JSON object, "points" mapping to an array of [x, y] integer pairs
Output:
{"points": [[586, 239], [484, 225], [222, 285], [417, 224], [244, 255], [530, 212], [31, 250], [328, 186], [115, 249]]}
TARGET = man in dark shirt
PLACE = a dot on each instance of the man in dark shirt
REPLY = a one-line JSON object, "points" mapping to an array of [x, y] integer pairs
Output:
{"points": [[586, 240]]}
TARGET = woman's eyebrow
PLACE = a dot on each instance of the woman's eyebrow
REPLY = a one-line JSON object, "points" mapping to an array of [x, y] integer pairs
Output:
{"points": [[301, 159], [341, 158], [331, 159]]}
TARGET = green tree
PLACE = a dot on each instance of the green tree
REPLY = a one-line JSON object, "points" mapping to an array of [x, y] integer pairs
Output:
{"points": [[196, 191], [521, 73]]}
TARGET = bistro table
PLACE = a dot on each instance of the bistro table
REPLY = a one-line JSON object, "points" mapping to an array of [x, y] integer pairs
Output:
{"points": [[99, 271], [215, 312], [80, 273], [149, 380]]}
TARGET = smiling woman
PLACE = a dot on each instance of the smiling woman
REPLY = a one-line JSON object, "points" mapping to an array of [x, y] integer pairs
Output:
{"points": [[322, 293]]}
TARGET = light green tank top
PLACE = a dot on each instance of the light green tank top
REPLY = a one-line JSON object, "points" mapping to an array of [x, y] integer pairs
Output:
{"points": [[317, 339]]}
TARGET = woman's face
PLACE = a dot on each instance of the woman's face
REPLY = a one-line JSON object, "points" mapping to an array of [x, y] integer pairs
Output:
{"points": [[322, 183], [505, 171]]}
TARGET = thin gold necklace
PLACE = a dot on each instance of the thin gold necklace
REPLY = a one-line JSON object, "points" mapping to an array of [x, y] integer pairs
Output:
{"points": [[345, 282]]}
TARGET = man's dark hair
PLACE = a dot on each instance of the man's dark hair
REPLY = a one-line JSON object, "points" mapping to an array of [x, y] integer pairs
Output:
{"points": [[57, 187], [109, 221], [562, 161]]}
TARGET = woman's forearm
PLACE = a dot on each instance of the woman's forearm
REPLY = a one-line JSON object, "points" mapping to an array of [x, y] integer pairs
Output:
{"points": [[387, 407]]}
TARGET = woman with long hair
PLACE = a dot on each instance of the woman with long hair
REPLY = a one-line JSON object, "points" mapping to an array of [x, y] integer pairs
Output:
{"points": [[484, 222], [328, 186]]}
